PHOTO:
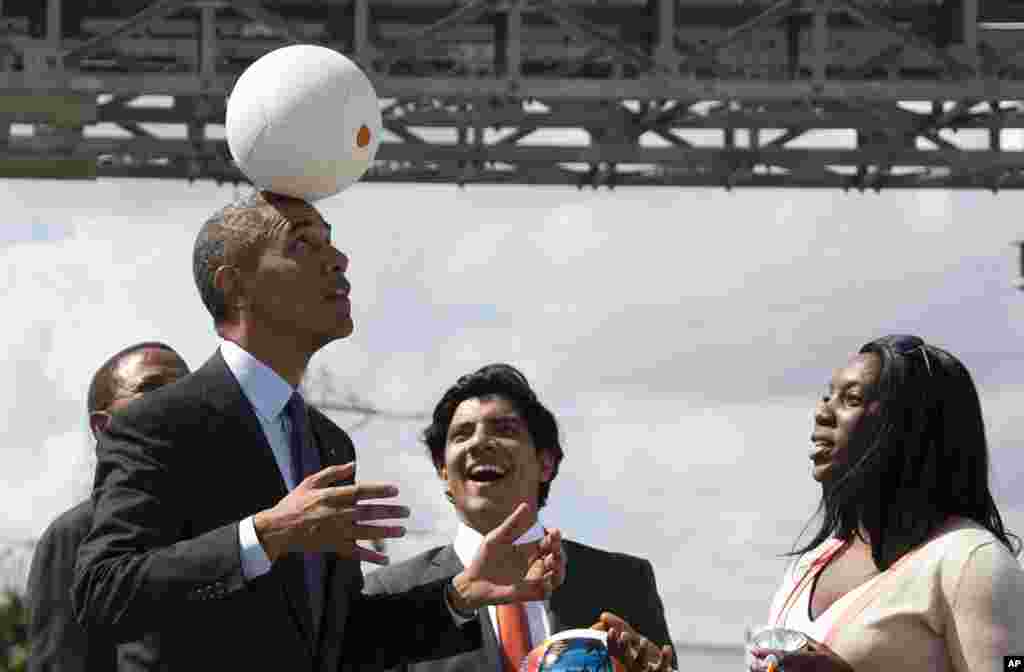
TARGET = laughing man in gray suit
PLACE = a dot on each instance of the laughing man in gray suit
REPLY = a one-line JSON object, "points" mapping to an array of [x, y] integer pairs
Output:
{"points": [[494, 446]]}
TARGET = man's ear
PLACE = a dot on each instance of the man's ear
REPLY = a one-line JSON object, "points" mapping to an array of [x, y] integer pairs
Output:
{"points": [[228, 280], [547, 466], [442, 473], [98, 423]]}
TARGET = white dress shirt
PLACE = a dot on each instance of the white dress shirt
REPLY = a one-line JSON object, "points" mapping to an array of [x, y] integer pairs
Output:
{"points": [[268, 393], [467, 541]]}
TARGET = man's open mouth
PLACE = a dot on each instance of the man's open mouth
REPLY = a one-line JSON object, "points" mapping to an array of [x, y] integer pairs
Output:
{"points": [[487, 473]]}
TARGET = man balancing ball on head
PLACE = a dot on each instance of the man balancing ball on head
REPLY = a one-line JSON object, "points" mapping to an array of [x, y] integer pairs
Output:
{"points": [[228, 517], [227, 513]]}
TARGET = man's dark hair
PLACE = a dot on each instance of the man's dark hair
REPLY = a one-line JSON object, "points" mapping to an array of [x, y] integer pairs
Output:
{"points": [[224, 239], [925, 456], [102, 388], [505, 381]]}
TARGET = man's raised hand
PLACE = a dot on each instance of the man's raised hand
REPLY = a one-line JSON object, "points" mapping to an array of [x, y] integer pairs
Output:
{"points": [[503, 571], [319, 516], [633, 650]]}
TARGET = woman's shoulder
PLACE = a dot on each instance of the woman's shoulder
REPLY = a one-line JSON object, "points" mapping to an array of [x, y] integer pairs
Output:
{"points": [[960, 538], [965, 545]]}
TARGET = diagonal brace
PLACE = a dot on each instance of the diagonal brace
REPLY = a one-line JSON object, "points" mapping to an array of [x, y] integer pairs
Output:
{"points": [[872, 17], [255, 11], [571, 20], [779, 10], [467, 13], [157, 10]]}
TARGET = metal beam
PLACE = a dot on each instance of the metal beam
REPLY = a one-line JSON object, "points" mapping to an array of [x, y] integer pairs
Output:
{"points": [[207, 42], [871, 17], [255, 10], [820, 40], [509, 91], [665, 52], [53, 23], [582, 28], [510, 46], [577, 179], [468, 12], [361, 46], [149, 148], [459, 88], [779, 10], [158, 9]]}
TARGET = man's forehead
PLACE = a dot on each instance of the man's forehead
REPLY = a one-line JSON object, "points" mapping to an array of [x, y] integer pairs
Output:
{"points": [[490, 406], [292, 215]]}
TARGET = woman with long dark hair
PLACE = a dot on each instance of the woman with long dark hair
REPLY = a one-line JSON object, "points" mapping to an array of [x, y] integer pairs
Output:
{"points": [[912, 568]]}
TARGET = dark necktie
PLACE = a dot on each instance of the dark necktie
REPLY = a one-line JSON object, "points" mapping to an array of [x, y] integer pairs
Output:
{"points": [[305, 461]]}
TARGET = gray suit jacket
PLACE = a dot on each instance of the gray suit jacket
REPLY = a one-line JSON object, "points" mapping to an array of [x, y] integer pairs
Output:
{"points": [[177, 470], [57, 643], [596, 581]]}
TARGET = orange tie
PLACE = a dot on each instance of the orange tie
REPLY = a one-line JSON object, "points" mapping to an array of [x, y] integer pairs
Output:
{"points": [[514, 630]]}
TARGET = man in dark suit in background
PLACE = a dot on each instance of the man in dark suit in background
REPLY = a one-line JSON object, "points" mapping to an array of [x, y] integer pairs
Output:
{"points": [[494, 446], [57, 643], [227, 513]]}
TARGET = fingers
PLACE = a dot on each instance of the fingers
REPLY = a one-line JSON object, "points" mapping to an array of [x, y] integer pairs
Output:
{"points": [[635, 651], [657, 661], [371, 532], [613, 621], [529, 590], [552, 541], [665, 661], [368, 555], [624, 646], [328, 475], [612, 642], [379, 512], [346, 495], [514, 526], [552, 545]]}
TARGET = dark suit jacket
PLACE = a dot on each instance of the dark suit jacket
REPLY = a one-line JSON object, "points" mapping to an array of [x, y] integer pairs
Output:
{"points": [[177, 470], [57, 643], [595, 581]]}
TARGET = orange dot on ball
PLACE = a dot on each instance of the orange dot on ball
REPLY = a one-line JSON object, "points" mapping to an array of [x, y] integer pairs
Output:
{"points": [[363, 136]]}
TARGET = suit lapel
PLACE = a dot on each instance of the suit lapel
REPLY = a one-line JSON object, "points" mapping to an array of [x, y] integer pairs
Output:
{"points": [[447, 563], [225, 395]]}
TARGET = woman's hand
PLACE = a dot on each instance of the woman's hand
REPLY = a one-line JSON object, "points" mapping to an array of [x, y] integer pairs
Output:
{"points": [[814, 657]]}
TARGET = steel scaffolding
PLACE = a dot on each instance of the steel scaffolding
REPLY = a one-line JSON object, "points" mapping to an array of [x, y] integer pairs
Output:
{"points": [[733, 93]]}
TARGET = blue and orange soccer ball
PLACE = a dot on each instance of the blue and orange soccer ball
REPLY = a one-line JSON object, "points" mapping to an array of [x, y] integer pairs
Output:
{"points": [[580, 650]]}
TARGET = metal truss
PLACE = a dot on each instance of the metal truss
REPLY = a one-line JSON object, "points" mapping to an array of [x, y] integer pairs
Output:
{"points": [[1020, 279], [732, 93]]}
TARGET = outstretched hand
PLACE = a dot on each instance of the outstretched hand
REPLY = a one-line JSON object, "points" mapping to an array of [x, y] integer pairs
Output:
{"points": [[814, 657], [319, 516], [503, 571], [633, 650]]}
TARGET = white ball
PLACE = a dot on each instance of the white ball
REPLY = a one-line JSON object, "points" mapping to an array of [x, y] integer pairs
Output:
{"points": [[303, 121]]}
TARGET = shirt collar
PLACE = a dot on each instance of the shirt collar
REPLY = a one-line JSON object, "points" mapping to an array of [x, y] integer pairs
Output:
{"points": [[266, 391], [468, 540]]}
